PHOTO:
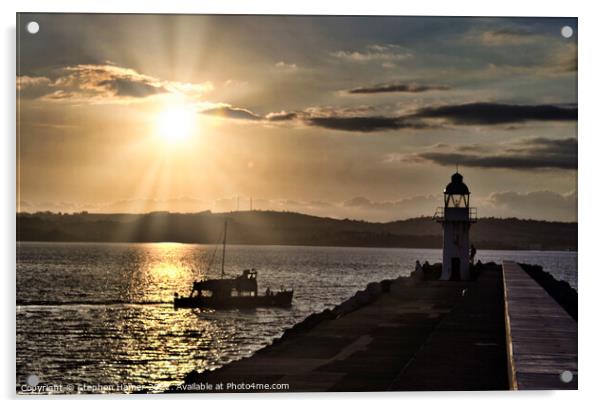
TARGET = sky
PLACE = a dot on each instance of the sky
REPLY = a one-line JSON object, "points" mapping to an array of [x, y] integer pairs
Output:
{"points": [[346, 117]]}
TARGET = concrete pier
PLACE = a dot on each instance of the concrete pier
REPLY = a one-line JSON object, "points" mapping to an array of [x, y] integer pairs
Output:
{"points": [[541, 335], [466, 349]]}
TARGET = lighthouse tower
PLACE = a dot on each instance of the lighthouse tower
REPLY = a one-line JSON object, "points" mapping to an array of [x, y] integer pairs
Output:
{"points": [[456, 218]]}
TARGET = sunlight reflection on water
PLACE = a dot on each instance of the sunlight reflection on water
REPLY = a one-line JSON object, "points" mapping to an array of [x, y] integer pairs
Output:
{"points": [[102, 313]]}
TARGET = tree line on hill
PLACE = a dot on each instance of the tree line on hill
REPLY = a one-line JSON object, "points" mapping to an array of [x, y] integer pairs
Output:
{"points": [[287, 228]]}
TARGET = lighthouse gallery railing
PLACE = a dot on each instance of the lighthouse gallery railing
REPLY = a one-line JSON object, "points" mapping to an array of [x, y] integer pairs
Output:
{"points": [[440, 214]]}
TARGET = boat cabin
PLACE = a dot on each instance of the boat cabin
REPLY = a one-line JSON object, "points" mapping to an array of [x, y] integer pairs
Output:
{"points": [[243, 285]]}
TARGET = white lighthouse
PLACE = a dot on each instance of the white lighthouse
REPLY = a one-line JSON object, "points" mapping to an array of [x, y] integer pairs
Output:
{"points": [[456, 216]]}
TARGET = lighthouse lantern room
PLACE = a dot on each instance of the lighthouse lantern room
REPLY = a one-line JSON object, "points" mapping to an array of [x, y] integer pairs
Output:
{"points": [[456, 218]]}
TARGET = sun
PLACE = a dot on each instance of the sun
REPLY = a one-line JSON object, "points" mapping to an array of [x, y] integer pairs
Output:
{"points": [[176, 123]]}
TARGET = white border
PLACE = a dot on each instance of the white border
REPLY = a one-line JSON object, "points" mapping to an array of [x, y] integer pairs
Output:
{"points": [[590, 187], [374, 7]]}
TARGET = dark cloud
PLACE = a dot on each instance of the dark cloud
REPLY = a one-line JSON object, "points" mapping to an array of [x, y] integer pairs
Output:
{"points": [[366, 119], [466, 114], [536, 153], [131, 87], [364, 123], [483, 113], [507, 162], [230, 112], [541, 145], [397, 87]]}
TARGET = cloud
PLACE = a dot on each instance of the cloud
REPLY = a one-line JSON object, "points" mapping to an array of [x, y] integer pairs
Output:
{"points": [[24, 81], [364, 123], [480, 113], [32, 87], [230, 112], [281, 65], [525, 154], [508, 36], [507, 162], [135, 205], [397, 87], [564, 60], [473, 147], [127, 87], [351, 119], [546, 204], [280, 116], [346, 119], [484, 113], [513, 51], [357, 202], [102, 83], [375, 52], [355, 208], [369, 119], [393, 209], [105, 81]]}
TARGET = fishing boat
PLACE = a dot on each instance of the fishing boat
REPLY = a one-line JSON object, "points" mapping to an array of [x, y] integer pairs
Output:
{"points": [[240, 292]]}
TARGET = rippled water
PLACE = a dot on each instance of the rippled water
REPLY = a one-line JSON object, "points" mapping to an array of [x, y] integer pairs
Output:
{"points": [[101, 314]]}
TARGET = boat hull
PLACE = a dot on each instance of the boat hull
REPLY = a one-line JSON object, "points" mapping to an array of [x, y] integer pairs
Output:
{"points": [[280, 299]]}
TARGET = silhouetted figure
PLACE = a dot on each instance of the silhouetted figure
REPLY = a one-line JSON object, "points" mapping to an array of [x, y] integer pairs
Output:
{"points": [[418, 271], [473, 252]]}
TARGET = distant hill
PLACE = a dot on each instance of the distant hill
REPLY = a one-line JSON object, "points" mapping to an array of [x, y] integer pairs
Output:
{"points": [[286, 228]]}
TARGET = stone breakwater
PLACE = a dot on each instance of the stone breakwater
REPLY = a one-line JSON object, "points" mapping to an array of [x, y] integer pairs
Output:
{"points": [[406, 333], [360, 299]]}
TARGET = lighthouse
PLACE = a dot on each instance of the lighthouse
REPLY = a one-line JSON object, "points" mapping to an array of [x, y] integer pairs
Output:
{"points": [[456, 217]]}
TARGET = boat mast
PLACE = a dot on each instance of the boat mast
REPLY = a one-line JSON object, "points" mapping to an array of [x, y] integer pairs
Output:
{"points": [[224, 245]]}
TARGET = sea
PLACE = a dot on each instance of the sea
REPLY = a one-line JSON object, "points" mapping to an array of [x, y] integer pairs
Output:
{"points": [[99, 317]]}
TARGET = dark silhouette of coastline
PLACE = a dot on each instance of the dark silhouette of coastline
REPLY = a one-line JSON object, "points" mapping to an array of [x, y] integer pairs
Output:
{"points": [[287, 228]]}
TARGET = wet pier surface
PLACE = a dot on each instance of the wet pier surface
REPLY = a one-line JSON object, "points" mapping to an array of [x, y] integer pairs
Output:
{"points": [[420, 335], [541, 335]]}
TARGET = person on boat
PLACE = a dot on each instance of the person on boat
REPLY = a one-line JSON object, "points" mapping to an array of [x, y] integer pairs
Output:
{"points": [[268, 292]]}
